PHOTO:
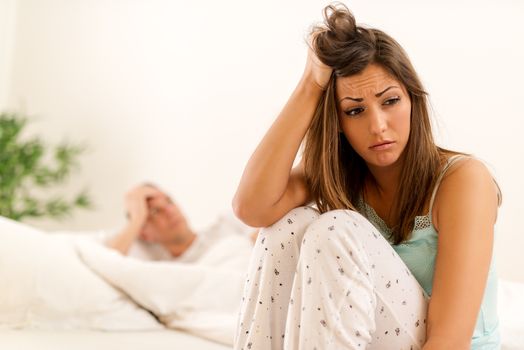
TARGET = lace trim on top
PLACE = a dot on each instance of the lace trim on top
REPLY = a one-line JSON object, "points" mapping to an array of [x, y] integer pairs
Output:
{"points": [[421, 222]]}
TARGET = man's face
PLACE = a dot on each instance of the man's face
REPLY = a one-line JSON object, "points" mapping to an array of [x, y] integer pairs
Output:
{"points": [[165, 222]]}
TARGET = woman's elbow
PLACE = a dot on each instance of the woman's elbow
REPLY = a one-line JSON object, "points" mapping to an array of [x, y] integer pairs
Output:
{"points": [[248, 213]]}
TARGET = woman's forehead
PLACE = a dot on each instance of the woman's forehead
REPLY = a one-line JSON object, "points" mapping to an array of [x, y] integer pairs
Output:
{"points": [[371, 81]]}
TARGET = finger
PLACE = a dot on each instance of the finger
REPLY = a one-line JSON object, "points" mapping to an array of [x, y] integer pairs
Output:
{"points": [[312, 38], [152, 192]]}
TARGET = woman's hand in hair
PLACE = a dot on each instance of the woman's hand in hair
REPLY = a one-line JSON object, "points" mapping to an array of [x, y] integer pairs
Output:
{"points": [[316, 71]]}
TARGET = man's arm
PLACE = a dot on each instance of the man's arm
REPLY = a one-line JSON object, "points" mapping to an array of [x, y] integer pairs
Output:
{"points": [[125, 238]]}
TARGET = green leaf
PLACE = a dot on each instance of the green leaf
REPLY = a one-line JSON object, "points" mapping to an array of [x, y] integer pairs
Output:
{"points": [[25, 170]]}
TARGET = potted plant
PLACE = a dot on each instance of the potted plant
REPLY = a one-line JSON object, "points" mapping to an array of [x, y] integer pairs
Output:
{"points": [[29, 168]]}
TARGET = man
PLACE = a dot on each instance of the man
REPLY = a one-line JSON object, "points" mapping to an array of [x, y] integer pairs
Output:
{"points": [[158, 230]]}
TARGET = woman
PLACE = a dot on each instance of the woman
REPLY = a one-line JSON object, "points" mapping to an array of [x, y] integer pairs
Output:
{"points": [[398, 252]]}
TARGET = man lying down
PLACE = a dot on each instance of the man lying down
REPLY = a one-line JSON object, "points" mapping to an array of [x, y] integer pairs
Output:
{"points": [[158, 230], [188, 280]]}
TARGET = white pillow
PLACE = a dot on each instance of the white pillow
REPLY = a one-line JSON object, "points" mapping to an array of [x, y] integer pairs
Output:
{"points": [[46, 285], [202, 298]]}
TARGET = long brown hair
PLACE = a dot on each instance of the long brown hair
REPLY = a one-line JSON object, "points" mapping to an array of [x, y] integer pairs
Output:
{"points": [[335, 173]]}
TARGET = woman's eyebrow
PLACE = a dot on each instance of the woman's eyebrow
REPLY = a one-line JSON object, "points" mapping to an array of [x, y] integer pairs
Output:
{"points": [[360, 99]]}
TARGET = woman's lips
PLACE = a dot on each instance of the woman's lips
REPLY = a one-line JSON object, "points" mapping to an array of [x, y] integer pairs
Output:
{"points": [[382, 146]]}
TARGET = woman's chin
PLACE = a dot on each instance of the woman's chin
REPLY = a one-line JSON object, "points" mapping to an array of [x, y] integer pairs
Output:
{"points": [[382, 160]]}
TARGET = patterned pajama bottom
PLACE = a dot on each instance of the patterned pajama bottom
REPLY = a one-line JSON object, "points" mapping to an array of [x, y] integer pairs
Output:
{"points": [[329, 281]]}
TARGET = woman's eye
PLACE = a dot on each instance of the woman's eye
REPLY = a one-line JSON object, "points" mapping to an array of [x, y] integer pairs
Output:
{"points": [[392, 101], [354, 111]]}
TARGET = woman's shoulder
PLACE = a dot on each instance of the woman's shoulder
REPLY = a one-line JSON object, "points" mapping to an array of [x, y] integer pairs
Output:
{"points": [[464, 164], [464, 179], [465, 170]]}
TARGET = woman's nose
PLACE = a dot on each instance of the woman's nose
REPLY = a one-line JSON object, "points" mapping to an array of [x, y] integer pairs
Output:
{"points": [[377, 122]]}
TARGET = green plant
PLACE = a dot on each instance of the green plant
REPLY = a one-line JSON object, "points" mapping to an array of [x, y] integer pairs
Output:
{"points": [[28, 170]]}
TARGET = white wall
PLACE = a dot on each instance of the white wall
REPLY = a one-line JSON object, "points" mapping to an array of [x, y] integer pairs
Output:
{"points": [[179, 93], [7, 34]]}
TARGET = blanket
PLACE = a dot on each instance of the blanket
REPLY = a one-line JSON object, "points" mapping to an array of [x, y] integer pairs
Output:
{"points": [[202, 298]]}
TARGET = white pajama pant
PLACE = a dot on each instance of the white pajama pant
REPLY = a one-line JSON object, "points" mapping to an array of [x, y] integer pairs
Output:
{"points": [[329, 281]]}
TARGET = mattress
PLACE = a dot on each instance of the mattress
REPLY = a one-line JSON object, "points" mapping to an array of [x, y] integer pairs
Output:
{"points": [[90, 340]]}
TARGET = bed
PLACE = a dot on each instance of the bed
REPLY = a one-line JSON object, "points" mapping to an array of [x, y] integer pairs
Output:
{"points": [[67, 291], [89, 340]]}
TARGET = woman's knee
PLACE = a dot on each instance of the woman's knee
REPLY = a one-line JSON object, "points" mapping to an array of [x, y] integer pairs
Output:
{"points": [[335, 229], [290, 227]]}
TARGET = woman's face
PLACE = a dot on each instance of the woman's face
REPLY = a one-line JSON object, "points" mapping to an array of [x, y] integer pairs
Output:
{"points": [[374, 113]]}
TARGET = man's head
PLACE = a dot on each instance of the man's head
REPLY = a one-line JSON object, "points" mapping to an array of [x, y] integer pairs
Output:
{"points": [[165, 222]]}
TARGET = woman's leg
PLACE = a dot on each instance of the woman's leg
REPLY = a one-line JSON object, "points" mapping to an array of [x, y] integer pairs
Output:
{"points": [[270, 275], [352, 290]]}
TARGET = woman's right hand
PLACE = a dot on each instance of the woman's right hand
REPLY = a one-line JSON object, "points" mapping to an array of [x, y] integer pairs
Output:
{"points": [[316, 71]]}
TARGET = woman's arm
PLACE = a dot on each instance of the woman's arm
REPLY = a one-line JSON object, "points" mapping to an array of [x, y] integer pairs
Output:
{"points": [[464, 215], [269, 187]]}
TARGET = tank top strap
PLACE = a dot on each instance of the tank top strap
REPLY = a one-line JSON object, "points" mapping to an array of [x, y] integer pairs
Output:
{"points": [[451, 160]]}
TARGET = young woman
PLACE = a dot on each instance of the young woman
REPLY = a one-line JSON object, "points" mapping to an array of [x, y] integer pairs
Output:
{"points": [[397, 253]]}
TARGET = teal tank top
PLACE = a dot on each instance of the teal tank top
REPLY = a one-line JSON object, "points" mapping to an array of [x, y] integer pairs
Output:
{"points": [[419, 252]]}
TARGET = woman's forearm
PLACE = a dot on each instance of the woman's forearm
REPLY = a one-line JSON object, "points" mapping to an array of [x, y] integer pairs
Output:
{"points": [[267, 173]]}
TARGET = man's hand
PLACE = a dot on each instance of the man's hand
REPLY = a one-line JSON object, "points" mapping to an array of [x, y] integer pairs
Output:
{"points": [[136, 204]]}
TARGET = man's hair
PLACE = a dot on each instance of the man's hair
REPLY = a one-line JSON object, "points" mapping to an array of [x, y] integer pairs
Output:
{"points": [[152, 185]]}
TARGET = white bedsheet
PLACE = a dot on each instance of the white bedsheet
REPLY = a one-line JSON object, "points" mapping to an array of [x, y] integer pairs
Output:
{"points": [[47, 287], [511, 314], [202, 298], [97, 340]]}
